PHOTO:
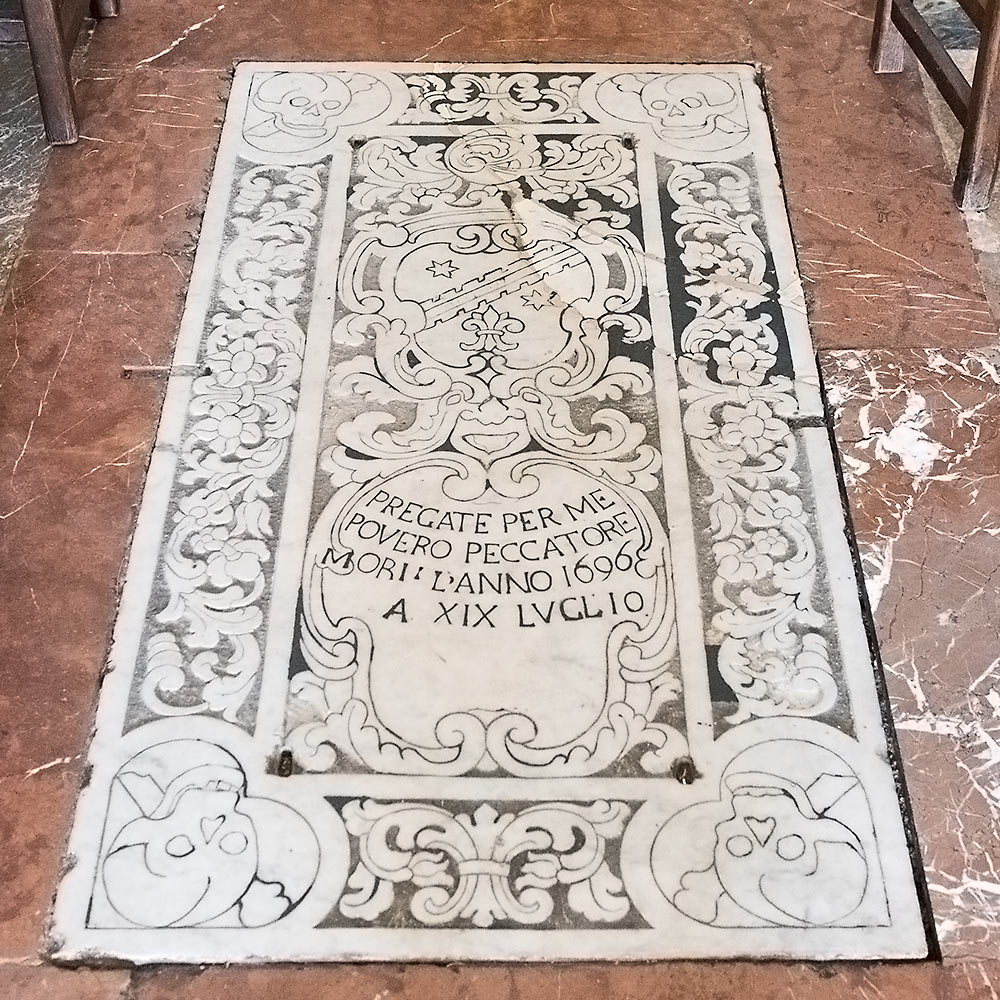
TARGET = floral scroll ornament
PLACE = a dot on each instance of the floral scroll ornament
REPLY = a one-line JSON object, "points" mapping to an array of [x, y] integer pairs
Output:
{"points": [[495, 97], [206, 656], [485, 867], [773, 652]]}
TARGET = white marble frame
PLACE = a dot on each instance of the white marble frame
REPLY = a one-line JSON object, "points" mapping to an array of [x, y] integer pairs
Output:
{"points": [[120, 733]]}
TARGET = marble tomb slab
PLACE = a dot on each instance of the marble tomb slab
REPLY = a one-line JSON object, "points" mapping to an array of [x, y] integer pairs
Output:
{"points": [[491, 595]]}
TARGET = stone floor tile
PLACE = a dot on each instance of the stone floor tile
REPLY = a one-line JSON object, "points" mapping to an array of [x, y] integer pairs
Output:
{"points": [[970, 979], [43, 982], [38, 804], [696, 981], [136, 181], [873, 268], [74, 445], [23, 152], [883, 251], [74, 321], [920, 451], [199, 34]]}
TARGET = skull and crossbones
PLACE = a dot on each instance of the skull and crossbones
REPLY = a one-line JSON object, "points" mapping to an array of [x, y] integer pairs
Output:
{"points": [[699, 112], [780, 857], [298, 111], [689, 105], [193, 847]]}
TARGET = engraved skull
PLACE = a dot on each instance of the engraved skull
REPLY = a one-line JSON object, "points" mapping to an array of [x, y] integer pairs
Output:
{"points": [[191, 859], [305, 105], [782, 860], [690, 103]]}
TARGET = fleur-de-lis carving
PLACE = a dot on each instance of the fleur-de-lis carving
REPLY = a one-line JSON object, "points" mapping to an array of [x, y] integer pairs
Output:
{"points": [[490, 330]]}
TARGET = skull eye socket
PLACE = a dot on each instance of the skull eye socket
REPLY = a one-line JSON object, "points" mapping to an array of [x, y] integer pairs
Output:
{"points": [[791, 847], [658, 105], [180, 846], [692, 102], [299, 102], [739, 846], [332, 105], [233, 843]]}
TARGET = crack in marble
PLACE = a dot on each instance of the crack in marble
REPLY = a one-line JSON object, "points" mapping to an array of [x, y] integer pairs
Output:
{"points": [[182, 37], [864, 236]]}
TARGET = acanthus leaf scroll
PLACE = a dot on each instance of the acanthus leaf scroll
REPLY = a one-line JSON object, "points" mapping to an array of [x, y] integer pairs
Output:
{"points": [[773, 647], [205, 656], [485, 867]]}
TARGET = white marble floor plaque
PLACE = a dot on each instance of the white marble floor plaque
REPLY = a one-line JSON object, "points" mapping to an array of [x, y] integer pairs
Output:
{"points": [[491, 597]]}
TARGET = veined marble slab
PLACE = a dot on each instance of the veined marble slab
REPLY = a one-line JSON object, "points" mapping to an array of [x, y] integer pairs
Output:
{"points": [[491, 595]]}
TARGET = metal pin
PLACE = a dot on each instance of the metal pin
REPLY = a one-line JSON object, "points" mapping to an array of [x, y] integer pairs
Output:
{"points": [[162, 371], [684, 770]]}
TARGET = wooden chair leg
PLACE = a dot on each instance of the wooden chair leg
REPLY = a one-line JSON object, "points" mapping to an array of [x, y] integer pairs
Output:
{"points": [[52, 72], [887, 43], [106, 8], [977, 162]]}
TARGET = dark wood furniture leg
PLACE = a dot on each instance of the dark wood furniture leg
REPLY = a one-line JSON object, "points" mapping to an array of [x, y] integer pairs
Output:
{"points": [[977, 163], [52, 72], [887, 43]]}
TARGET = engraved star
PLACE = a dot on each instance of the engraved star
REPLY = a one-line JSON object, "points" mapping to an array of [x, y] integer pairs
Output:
{"points": [[537, 299], [442, 268]]}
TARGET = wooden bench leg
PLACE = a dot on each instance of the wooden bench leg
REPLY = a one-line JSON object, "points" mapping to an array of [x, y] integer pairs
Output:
{"points": [[106, 8], [52, 72], [977, 163], [887, 43]]}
